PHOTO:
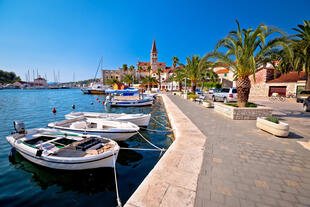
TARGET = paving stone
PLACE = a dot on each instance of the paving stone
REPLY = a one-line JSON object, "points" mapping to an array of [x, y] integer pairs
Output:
{"points": [[251, 167]]}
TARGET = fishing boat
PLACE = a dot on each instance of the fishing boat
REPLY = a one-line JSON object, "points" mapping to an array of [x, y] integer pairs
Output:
{"points": [[141, 120], [95, 89], [115, 130], [128, 97], [61, 150]]}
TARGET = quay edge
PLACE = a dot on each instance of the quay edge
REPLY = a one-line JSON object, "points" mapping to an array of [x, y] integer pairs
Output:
{"points": [[173, 180]]}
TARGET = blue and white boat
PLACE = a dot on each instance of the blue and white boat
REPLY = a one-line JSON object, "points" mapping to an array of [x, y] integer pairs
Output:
{"points": [[128, 97]]}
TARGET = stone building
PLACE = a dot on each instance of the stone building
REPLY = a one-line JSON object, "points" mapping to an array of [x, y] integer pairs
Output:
{"points": [[268, 81], [116, 74]]}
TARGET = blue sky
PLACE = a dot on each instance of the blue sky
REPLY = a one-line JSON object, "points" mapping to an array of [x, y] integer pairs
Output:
{"points": [[71, 35]]}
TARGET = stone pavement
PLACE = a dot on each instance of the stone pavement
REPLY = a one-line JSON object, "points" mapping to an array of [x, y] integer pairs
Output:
{"points": [[244, 166]]}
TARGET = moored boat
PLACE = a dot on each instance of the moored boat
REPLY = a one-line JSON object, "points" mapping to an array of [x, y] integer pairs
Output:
{"points": [[115, 130], [141, 120], [61, 150]]}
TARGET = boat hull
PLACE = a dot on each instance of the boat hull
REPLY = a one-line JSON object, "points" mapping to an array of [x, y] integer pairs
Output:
{"points": [[65, 163], [92, 91], [142, 121], [132, 103], [116, 136]]}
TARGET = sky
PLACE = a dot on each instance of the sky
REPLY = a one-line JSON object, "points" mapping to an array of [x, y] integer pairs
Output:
{"points": [[70, 36]]}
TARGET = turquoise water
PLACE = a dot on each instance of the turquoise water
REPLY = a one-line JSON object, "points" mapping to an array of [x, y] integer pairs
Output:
{"points": [[25, 184]]}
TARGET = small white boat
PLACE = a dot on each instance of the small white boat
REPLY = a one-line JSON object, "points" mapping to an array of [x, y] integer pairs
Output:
{"points": [[130, 101], [115, 130], [61, 150], [141, 120]]}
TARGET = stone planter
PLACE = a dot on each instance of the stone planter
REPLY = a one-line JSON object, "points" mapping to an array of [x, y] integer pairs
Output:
{"points": [[206, 104], [185, 96], [192, 100], [280, 130], [242, 113]]}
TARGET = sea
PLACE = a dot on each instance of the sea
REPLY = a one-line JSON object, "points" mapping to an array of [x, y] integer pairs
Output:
{"points": [[23, 183]]}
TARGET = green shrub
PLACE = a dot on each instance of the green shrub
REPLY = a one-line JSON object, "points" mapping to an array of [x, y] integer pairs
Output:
{"points": [[273, 119], [194, 96], [207, 101], [190, 93], [249, 104]]}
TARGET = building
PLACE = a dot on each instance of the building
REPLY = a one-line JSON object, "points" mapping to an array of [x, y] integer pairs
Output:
{"points": [[40, 82], [226, 76], [116, 74], [154, 65], [268, 81]]}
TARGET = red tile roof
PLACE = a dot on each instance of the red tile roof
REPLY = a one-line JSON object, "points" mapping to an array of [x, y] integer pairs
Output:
{"points": [[289, 77], [144, 64], [222, 71]]}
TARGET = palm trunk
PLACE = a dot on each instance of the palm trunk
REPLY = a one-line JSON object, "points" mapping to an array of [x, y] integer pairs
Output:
{"points": [[159, 82], [308, 81], [180, 85], [193, 85], [243, 90]]}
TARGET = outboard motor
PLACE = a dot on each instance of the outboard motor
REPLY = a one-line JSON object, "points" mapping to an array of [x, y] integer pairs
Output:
{"points": [[19, 127]]}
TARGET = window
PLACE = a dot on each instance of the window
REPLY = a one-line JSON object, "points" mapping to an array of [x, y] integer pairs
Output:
{"points": [[225, 74], [305, 92], [163, 79], [225, 90], [234, 90]]}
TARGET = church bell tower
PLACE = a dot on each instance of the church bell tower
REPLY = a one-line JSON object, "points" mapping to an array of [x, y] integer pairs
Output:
{"points": [[154, 56]]}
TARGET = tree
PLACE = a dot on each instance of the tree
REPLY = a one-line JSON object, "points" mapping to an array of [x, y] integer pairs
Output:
{"points": [[178, 76], [111, 81], [159, 72], [139, 71], [175, 61], [300, 48], [132, 68], [128, 78], [8, 77], [149, 69], [245, 50], [125, 68], [193, 69], [149, 80]]}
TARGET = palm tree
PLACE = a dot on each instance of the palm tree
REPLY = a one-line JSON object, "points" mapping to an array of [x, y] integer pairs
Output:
{"points": [[111, 81], [194, 68], [132, 68], [149, 80], [159, 71], [245, 52], [139, 71], [301, 50], [125, 68], [128, 78], [178, 76], [175, 61], [149, 69]]}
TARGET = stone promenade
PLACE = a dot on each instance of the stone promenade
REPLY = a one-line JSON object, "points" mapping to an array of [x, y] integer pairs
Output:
{"points": [[244, 166]]}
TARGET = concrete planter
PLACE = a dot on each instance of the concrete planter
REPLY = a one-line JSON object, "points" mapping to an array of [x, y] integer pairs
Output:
{"points": [[192, 100], [242, 113], [280, 130], [184, 96], [206, 104]]}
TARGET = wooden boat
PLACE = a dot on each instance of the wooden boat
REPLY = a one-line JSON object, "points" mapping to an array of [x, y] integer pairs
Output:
{"points": [[141, 120], [115, 130], [66, 151]]}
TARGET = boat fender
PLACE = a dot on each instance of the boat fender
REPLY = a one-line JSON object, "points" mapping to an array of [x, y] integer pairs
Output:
{"points": [[73, 106], [12, 155], [39, 153], [97, 99], [103, 102], [54, 111], [91, 103]]}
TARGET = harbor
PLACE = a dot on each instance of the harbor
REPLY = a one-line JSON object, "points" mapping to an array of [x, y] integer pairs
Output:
{"points": [[34, 108]]}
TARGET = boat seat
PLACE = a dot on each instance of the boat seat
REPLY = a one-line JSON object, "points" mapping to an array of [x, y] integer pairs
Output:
{"points": [[79, 125]]}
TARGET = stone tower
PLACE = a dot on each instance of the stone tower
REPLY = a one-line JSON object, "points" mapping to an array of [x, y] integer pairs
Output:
{"points": [[154, 56]]}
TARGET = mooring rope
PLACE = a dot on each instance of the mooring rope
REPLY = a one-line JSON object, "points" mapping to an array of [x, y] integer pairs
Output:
{"points": [[119, 203], [159, 123], [142, 149], [155, 130], [150, 142]]}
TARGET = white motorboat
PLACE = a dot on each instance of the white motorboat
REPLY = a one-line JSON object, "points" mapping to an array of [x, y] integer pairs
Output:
{"points": [[115, 130], [61, 150], [141, 120], [130, 101]]}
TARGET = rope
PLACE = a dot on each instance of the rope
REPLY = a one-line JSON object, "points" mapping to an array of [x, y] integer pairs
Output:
{"points": [[119, 203], [159, 123], [141, 149], [149, 142], [154, 130]]}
